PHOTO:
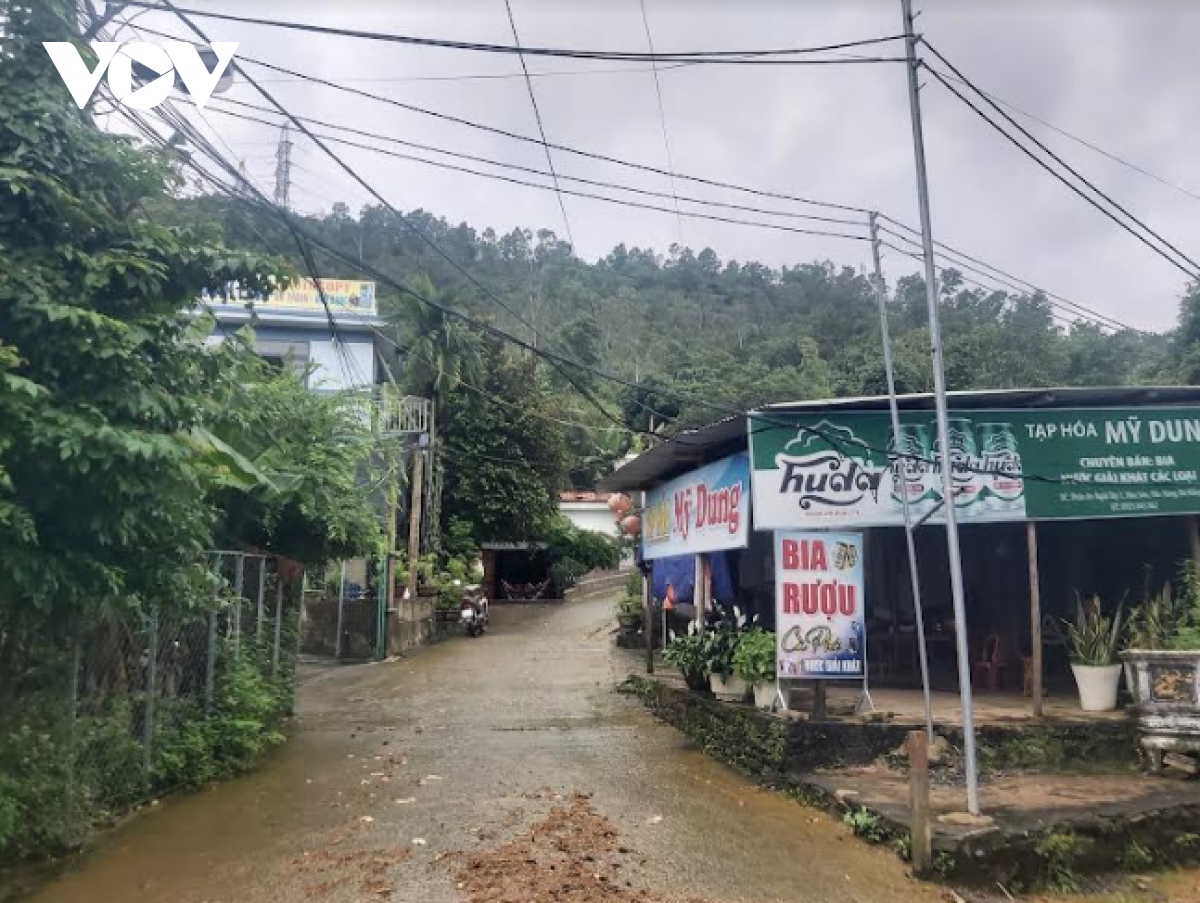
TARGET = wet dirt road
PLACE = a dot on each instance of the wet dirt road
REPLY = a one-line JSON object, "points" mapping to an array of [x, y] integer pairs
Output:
{"points": [[497, 769]]}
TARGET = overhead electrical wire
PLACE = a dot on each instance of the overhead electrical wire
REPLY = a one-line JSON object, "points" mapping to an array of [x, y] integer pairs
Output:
{"points": [[517, 136], [1016, 142], [610, 200], [1083, 142], [1018, 288], [951, 250], [789, 55], [215, 105], [1079, 309], [942, 270], [537, 117], [662, 119]]}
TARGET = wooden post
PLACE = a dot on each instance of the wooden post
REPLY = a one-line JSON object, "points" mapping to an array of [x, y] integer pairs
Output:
{"points": [[920, 839], [1194, 540], [1035, 618], [414, 521], [818, 709], [698, 599]]}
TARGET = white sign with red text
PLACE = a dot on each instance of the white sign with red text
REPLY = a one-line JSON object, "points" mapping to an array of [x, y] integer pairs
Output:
{"points": [[706, 510], [819, 605]]}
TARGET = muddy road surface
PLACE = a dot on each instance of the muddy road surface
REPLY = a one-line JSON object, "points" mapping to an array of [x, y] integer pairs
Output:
{"points": [[503, 769]]}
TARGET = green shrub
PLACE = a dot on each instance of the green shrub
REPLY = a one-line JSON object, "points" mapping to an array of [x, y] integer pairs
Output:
{"points": [[689, 656], [754, 658]]}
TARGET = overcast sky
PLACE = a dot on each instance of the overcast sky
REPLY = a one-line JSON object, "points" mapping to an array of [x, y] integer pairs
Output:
{"points": [[1119, 74]]}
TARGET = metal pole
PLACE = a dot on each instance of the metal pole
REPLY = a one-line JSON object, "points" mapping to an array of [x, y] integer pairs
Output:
{"points": [[901, 465], [278, 621], [239, 586], [210, 665], [943, 418], [1035, 618], [151, 695], [337, 643], [262, 589]]}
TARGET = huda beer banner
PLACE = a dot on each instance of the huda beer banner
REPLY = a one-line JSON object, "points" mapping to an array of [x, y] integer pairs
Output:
{"points": [[844, 470]]}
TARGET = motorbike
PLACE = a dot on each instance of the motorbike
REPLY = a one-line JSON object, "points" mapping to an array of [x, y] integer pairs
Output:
{"points": [[473, 611]]}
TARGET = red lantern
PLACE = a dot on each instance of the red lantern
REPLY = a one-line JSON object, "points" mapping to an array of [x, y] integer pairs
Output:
{"points": [[632, 525], [618, 503]]}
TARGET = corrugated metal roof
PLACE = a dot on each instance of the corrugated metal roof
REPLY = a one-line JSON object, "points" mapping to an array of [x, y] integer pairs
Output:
{"points": [[694, 448]]}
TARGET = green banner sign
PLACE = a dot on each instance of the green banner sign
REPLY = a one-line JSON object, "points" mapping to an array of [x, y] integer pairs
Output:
{"points": [[844, 470]]}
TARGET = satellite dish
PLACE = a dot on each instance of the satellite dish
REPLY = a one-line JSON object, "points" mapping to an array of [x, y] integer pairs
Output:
{"points": [[143, 74]]}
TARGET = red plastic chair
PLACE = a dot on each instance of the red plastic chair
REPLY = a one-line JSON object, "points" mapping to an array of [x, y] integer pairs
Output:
{"points": [[990, 667]]}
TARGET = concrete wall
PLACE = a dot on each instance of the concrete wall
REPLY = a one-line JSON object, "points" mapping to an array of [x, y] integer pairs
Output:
{"points": [[593, 516]]}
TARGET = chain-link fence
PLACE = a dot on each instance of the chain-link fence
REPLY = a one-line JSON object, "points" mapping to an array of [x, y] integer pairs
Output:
{"points": [[344, 610], [137, 704]]}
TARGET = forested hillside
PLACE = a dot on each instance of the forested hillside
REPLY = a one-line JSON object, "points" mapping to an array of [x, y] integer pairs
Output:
{"points": [[695, 330]]}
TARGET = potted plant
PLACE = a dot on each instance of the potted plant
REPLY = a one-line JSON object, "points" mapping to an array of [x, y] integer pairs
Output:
{"points": [[720, 645], [1163, 664], [687, 655], [1093, 638], [629, 614], [754, 662]]}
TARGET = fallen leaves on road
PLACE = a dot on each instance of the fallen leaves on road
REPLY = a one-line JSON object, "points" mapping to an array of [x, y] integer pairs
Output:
{"points": [[571, 856], [324, 871]]}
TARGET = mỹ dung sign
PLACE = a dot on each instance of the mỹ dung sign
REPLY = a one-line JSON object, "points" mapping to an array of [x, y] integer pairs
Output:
{"points": [[844, 469], [707, 510], [819, 605]]}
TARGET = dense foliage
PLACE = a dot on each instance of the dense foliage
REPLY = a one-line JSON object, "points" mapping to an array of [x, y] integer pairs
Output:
{"points": [[128, 446], [702, 336]]}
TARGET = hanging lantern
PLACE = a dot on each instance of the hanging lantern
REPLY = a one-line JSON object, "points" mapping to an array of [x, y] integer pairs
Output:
{"points": [[632, 525], [618, 503]]}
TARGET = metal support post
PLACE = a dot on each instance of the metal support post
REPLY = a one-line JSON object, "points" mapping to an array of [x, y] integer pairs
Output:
{"points": [[278, 621], [900, 470], [151, 696], [262, 589], [239, 587], [1035, 618], [943, 419], [337, 643]]}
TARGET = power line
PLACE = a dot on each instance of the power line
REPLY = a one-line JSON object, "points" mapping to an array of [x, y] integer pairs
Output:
{"points": [[537, 115], [583, 194], [516, 136], [501, 76], [599, 183], [737, 57], [949, 249], [1024, 288], [1042, 163], [1085, 143], [662, 118], [989, 287]]}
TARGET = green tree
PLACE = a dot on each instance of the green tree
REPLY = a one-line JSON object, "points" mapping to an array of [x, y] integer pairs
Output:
{"points": [[102, 499], [504, 465]]}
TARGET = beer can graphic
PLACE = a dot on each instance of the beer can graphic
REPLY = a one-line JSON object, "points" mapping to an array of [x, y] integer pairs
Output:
{"points": [[912, 468], [1000, 457], [966, 469]]}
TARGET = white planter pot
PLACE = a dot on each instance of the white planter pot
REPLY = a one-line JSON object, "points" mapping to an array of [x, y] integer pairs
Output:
{"points": [[764, 696], [734, 688], [1097, 686]]}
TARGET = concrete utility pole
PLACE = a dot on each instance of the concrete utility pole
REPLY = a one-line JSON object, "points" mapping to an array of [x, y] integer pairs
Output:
{"points": [[901, 464], [283, 169], [943, 417]]}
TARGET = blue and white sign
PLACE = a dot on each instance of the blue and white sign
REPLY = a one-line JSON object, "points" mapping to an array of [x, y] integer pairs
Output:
{"points": [[706, 510]]}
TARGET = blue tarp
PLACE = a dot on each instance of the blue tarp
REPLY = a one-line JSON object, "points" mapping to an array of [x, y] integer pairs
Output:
{"points": [[680, 572]]}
